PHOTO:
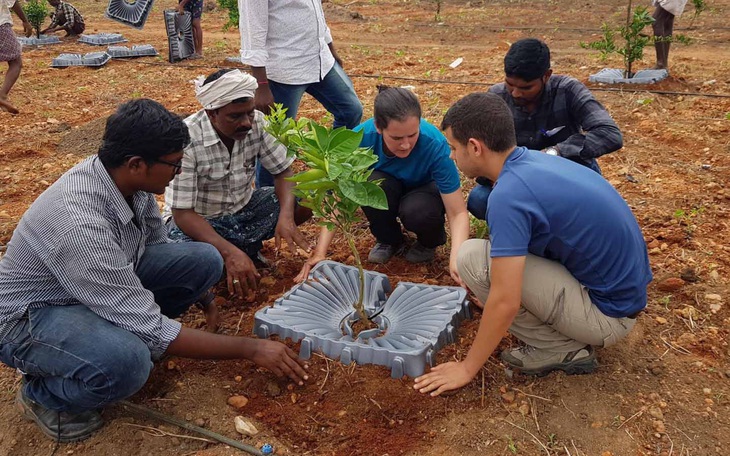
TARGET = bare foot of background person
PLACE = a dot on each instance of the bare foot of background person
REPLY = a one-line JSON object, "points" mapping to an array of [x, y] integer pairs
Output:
{"points": [[6, 106]]}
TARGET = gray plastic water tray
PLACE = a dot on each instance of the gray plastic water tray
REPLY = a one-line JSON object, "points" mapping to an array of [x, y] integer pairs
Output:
{"points": [[92, 59], [123, 52], [44, 39], [129, 12], [615, 76], [179, 35], [102, 39], [414, 322]]}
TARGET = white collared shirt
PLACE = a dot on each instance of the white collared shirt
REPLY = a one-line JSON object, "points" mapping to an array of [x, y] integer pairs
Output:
{"points": [[5, 17], [290, 38]]}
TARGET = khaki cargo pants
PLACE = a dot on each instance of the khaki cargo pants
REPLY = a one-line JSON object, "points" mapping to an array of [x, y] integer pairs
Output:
{"points": [[556, 313]]}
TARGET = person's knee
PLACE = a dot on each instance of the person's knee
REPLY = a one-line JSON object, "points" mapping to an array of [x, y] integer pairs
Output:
{"points": [[208, 261], [127, 370], [476, 203], [422, 214], [471, 253], [354, 113]]}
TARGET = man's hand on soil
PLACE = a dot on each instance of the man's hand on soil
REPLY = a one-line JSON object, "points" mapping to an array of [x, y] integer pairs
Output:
{"points": [[281, 360], [242, 275]]}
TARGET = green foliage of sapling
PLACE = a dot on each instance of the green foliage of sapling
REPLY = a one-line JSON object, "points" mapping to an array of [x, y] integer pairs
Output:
{"points": [[36, 11], [336, 183]]}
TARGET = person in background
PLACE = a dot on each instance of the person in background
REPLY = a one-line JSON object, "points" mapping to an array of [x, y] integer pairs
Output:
{"points": [[664, 13], [65, 17], [554, 114], [195, 8], [10, 49], [290, 49]]}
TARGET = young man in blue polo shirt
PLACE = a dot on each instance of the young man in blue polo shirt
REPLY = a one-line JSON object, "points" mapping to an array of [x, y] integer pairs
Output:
{"points": [[566, 266]]}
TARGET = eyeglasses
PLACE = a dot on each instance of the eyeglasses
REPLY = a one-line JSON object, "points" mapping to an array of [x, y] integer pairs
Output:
{"points": [[177, 165]]}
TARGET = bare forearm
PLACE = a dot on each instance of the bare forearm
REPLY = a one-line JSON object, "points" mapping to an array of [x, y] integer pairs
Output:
{"points": [[496, 320], [193, 343], [459, 227], [259, 73], [19, 11], [283, 189], [324, 241]]}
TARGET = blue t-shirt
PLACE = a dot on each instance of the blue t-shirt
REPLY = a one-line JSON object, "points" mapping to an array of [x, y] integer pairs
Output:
{"points": [[428, 161], [559, 210]]}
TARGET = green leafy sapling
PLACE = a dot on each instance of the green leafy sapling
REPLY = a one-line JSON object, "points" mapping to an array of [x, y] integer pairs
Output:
{"points": [[336, 182], [635, 40], [36, 11]]}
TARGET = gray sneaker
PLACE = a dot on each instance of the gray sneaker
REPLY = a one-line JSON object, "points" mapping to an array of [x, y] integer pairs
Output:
{"points": [[60, 426], [533, 361], [420, 254], [381, 253]]}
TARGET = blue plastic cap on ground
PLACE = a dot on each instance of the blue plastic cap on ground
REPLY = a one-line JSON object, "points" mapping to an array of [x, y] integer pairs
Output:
{"points": [[267, 449]]}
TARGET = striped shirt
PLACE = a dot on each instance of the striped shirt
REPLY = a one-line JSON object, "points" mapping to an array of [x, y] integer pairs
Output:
{"points": [[215, 182], [67, 11], [80, 242], [290, 38], [568, 117]]}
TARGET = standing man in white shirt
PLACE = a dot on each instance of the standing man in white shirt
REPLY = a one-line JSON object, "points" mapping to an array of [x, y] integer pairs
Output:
{"points": [[290, 49]]}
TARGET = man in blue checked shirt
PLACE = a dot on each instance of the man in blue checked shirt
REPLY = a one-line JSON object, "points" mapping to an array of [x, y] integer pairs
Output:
{"points": [[555, 114], [90, 284]]}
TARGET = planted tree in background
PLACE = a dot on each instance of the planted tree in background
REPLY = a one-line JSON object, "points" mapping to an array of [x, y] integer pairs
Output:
{"points": [[336, 183], [36, 11], [700, 6], [635, 40]]}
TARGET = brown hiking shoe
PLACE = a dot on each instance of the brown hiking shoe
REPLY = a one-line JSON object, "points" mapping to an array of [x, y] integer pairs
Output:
{"points": [[533, 361]]}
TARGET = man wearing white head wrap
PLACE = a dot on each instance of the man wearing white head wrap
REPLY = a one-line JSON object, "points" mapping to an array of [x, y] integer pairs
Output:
{"points": [[212, 199], [231, 86]]}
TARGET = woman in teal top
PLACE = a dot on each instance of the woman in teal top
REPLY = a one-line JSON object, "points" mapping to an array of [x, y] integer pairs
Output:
{"points": [[420, 181]]}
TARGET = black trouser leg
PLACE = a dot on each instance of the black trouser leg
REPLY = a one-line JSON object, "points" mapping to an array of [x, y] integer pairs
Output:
{"points": [[422, 212], [384, 224]]}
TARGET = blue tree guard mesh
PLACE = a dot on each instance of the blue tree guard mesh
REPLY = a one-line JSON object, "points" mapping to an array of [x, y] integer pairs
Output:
{"points": [[414, 322], [129, 12], [179, 35]]}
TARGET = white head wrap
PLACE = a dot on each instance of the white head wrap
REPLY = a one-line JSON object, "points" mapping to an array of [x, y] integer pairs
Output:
{"points": [[231, 86]]}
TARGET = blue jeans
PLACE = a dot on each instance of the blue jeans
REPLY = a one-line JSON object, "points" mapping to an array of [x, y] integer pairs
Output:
{"points": [[74, 360], [476, 203], [335, 92]]}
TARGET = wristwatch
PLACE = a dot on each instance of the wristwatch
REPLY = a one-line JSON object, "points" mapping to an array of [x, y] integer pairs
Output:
{"points": [[552, 151]]}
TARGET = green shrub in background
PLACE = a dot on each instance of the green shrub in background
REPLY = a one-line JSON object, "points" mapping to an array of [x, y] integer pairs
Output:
{"points": [[36, 11]]}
